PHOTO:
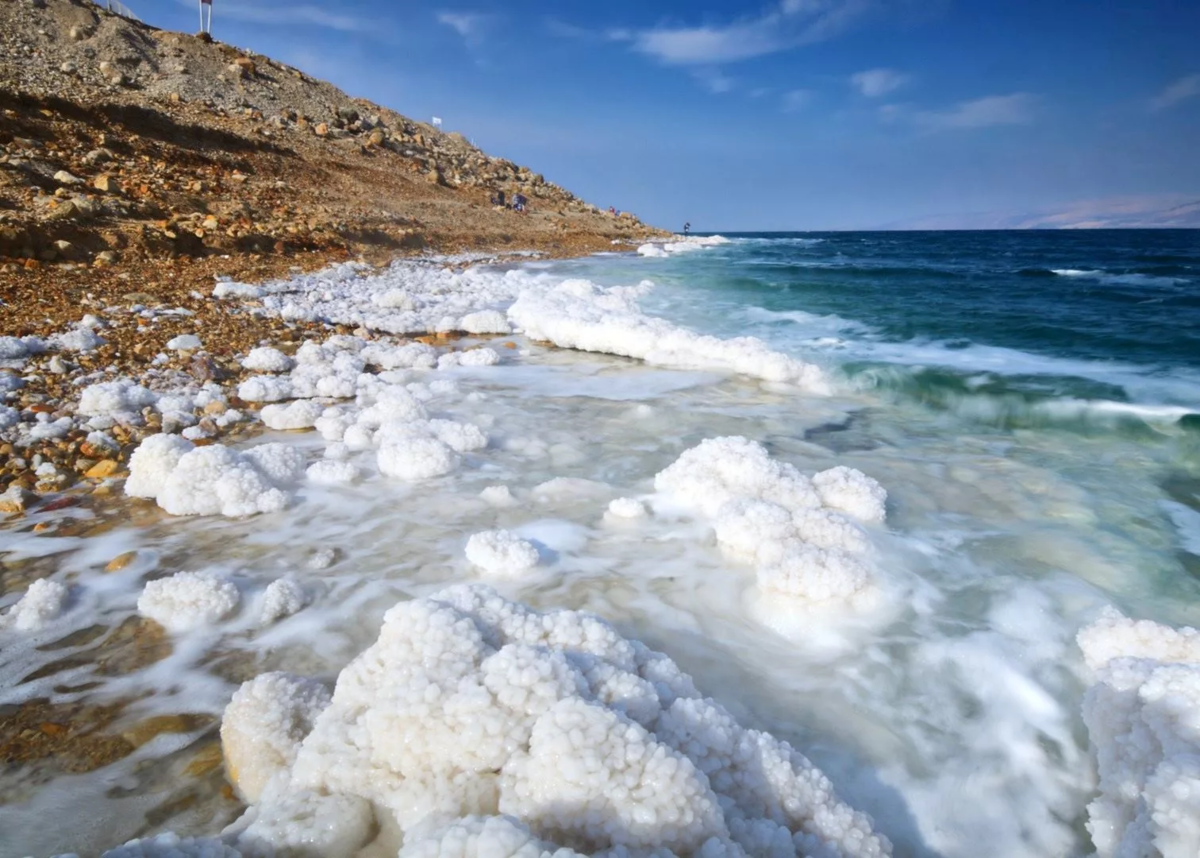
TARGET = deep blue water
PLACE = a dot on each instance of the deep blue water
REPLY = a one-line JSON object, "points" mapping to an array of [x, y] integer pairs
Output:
{"points": [[1017, 328]]}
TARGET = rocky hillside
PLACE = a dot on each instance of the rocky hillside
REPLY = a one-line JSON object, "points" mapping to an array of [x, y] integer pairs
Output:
{"points": [[122, 144]]}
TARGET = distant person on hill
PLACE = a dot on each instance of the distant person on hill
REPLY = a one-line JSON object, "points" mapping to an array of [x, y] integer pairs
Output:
{"points": [[519, 202], [612, 211], [687, 227], [498, 199]]}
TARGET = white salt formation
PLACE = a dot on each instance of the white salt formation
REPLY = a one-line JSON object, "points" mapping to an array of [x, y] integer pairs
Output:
{"points": [[215, 480], [793, 529], [578, 314], [627, 508], [501, 553], [171, 845], [1143, 719], [282, 598], [469, 706], [267, 359], [40, 605], [188, 600]]}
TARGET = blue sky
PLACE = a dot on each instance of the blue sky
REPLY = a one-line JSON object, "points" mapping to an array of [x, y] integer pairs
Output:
{"points": [[792, 114]]}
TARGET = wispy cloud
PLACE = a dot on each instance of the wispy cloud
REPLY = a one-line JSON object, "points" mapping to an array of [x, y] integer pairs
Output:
{"points": [[302, 15], [469, 25], [876, 82], [795, 99], [992, 110], [788, 24], [1181, 90], [713, 80]]}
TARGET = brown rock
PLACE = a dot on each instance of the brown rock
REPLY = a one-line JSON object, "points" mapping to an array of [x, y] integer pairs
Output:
{"points": [[322, 129], [246, 65], [106, 183], [120, 561], [16, 499], [103, 469]]}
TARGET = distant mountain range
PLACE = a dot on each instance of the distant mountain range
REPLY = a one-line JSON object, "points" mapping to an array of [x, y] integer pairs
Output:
{"points": [[1179, 212]]}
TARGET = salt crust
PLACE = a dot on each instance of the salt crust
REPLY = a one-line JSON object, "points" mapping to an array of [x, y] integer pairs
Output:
{"points": [[793, 529], [267, 359], [1143, 719], [282, 598], [627, 508], [501, 553], [578, 314], [469, 706], [189, 480], [500, 496], [188, 600], [38, 607]]}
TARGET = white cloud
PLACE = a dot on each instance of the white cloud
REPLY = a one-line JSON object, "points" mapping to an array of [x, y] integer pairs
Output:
{"points": [[1015, 109], [1181, 90], [796, 99], [469, 25], [314, 16], [713, 80], [876, 82], [789, 24]]}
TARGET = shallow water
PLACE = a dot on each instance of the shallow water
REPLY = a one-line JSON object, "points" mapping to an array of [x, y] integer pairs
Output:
{"points": [[950, 713]]}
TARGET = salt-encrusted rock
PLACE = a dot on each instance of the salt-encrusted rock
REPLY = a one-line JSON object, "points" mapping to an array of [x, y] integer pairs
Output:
{"points": [[473, 357], [486, 322], [851, 491], [795, 530], [1141, 719], [265, 388], [416, 458], [301, 414], [184, 342], [216, 480], [110, 398], [469, 704], [627, 508], [282, 464], [188, 600], [501, 553], [330, 472], [267, 359], [578, 314], [498, 496], [152, 462], [282, 598], [40, 605], [263, 726]]}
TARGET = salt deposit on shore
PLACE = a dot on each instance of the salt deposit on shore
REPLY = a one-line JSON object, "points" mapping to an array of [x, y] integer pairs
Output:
{"points": [[863, 660]]}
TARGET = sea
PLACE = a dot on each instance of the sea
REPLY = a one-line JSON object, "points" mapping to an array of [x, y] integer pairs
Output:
{"points": [[1029, 400]]}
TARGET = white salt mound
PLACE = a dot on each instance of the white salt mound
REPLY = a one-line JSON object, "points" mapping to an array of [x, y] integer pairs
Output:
{"points": [[215, 480], [110, 398], [282, 598], [301, 414], [416, 458], [263, 726], [627, 508], [332, 472], [188, 600], [184, 342], [267, 359], [578, 314], [1141, 716], [795, 530], [470, 706], [501, 496], [41, 604], [501, 553]]}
